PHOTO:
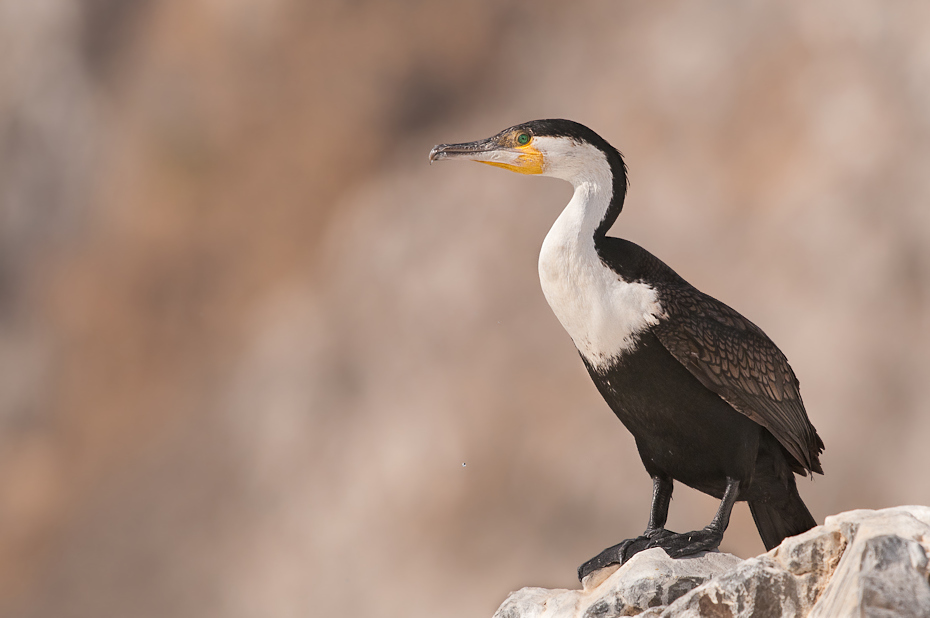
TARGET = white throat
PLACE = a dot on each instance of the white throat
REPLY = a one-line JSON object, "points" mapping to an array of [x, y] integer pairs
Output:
{"points": [[602, 312]]}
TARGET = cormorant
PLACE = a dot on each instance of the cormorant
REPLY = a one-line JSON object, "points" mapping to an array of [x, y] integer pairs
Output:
{"points": [[710, 400]]}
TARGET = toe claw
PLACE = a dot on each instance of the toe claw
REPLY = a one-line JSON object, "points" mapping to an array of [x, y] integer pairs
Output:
{"points": [[611, 555]]}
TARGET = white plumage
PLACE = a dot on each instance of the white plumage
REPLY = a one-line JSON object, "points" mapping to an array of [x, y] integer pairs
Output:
{"points": [[601, 312]]}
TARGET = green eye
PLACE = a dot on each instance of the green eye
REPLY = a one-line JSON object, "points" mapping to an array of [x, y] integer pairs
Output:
{"points": [[523, 139]]}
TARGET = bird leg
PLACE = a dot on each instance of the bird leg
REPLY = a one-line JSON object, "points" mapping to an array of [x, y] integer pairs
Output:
{"points": [[661, 497], [655, 531], [708, 539]]}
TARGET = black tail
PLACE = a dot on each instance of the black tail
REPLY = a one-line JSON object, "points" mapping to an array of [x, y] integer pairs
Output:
{"points": [[781, 516]]}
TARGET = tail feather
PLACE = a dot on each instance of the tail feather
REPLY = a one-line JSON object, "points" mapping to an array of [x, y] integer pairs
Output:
{"points": [[781, 516]]}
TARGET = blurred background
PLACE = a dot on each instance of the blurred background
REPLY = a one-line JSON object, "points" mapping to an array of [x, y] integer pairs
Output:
{"points": [[257, 358]]}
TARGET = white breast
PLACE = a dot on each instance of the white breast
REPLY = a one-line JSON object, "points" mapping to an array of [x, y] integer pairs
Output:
{"points": [[602, 313]]}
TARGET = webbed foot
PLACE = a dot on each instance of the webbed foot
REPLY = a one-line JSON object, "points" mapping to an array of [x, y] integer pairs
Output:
{"points": [[623, 551], [689, 543]]}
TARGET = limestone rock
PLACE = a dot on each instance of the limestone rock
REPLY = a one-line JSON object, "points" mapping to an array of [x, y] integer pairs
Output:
{"points": [[862, 563], [883, 571], [649, 579]]}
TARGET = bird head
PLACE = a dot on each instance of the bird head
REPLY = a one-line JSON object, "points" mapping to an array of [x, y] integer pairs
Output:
{"points": [[558, 148]]}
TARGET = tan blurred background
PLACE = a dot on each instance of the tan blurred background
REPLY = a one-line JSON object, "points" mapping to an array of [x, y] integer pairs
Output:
{"points": [[257, 358]]}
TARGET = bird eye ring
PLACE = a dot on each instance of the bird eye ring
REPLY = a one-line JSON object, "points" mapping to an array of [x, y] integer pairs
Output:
{"points": [[523, 139]]}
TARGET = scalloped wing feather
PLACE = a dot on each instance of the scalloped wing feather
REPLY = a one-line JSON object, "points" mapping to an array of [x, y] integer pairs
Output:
{"points": [[733, 357]]}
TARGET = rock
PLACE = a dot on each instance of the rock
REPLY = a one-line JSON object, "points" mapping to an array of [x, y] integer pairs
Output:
{"points": [[649, 579], [862, 563], [811, 558], [757, 587], [883, 571]]}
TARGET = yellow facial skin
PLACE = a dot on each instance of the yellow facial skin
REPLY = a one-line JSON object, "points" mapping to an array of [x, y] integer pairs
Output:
{"points": [[528, 161]]}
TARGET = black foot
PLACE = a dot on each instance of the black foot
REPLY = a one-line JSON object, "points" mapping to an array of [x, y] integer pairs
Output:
{"points": [[688, 543], [623, 551]]}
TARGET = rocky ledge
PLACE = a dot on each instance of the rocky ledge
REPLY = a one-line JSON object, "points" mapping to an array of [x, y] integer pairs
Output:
{"points": [[859, 563]]}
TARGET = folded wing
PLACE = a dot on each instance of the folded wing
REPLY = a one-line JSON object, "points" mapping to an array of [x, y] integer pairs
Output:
{"points": [[733, 357]]}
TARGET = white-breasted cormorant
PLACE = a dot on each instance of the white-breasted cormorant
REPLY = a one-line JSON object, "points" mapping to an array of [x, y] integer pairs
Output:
{"points": [[709, 399]]}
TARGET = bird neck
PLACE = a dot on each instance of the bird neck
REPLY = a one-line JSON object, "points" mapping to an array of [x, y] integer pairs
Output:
{"points": [[581, 219], [598, 174], [595, 204], [570, 244], [600, 310]]}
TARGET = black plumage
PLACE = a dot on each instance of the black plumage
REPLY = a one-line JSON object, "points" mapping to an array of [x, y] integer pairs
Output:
{"points": [[727, 353], [708, 397]]}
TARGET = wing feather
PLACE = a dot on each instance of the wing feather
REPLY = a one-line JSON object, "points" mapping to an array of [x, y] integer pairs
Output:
{"points": [[733, 357]]}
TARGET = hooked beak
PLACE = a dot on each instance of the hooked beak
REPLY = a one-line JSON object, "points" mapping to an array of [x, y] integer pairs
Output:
{"points": [[497, 151], [482, 150]]}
